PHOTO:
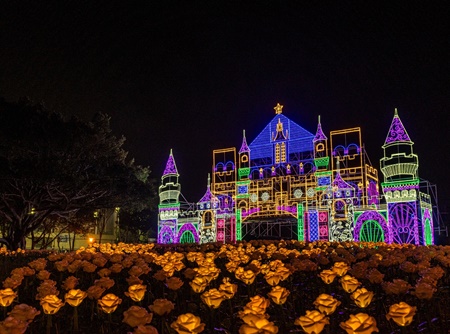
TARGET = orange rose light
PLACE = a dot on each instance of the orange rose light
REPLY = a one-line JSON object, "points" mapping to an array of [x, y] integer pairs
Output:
{"points": [[279, 294], [401, 313], [340, 268], [213, 298], [360, 323], [362, 297], [246, 276], [109, 303], [313, 322], [198, 284], [260, 325], [136, 316], [74, 297], [258, 304], [136, 292], [326, 303], [188, 324], [228, 289], [161, 306], [328, 276], [7, 296], [51, 304], [349, 283]]}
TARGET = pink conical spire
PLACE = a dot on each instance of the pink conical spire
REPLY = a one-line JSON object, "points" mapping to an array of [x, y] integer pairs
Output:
{"points": [[171, 167], [319, 133], [244, 146], [397, 132]]}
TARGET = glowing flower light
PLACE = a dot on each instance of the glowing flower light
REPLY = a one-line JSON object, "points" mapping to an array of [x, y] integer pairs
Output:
{"points": [[74, 297], [188, 323], [401, 313], [51, 304], [349, 283], [136, 292], [260, 325], [328, 276], [313, 322], [213, 298], [279, 294], [326, 303], [7, 296], [362, 297], [109, 303], [360, 323]]}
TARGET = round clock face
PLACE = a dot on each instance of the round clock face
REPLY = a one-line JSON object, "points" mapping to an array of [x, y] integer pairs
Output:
{"points": [[265, 196], [310, 192], [253, 198], [298, 193]]}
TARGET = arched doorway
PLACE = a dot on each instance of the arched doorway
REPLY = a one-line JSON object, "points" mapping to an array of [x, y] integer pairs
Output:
{"points": [[187, 237], [371, 231]]}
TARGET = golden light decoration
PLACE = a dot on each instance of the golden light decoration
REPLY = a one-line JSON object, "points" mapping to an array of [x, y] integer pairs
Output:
{"points": [[136, 292], [313, 322], [188, 323], [228, 289], [326, 303], [402, 313], [109, 303], [328, 276], [360, 323], [279, 294], [261, 325], [75, 297], [213, 298], [7, 296], [349, 283], [340, 268], [51, 304], [362, 297]]}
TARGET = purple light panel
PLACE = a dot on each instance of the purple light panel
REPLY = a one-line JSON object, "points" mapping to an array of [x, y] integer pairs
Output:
{"points": [[397, 132], [171, 168]]}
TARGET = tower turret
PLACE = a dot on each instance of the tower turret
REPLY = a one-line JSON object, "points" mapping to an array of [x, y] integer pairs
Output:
{"points": [[170, 188], [320, 144], [244, 159], [399, 161]]}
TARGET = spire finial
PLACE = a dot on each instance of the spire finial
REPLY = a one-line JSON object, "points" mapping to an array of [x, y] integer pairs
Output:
{"points": [[209, 180], [395, 112], [278, 109], [319, 119]]}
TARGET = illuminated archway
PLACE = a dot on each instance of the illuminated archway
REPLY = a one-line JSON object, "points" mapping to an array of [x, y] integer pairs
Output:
{"points": [[371, 231], [373, 216], [188, 227], [187, 237], [166, 235]]}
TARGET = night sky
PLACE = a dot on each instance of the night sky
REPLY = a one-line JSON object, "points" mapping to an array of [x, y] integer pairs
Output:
{"points": [[191, 75]]}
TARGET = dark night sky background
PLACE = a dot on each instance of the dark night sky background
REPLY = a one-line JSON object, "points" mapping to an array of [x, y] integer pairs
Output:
{"points": [[192, 75]]}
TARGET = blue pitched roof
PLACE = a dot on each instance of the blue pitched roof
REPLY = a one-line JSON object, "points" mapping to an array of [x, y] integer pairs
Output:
{"points": [[299, 139]]}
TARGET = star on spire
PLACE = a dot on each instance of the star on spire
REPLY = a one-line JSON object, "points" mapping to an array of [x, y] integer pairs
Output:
{"points": [[278, 109]]}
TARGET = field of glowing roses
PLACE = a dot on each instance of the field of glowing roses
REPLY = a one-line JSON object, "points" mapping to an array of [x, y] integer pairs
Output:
{"points": [[249, 287]]}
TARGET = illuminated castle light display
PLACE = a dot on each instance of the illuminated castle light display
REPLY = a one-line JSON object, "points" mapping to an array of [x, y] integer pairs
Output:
{"points": [[290, 183]]}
